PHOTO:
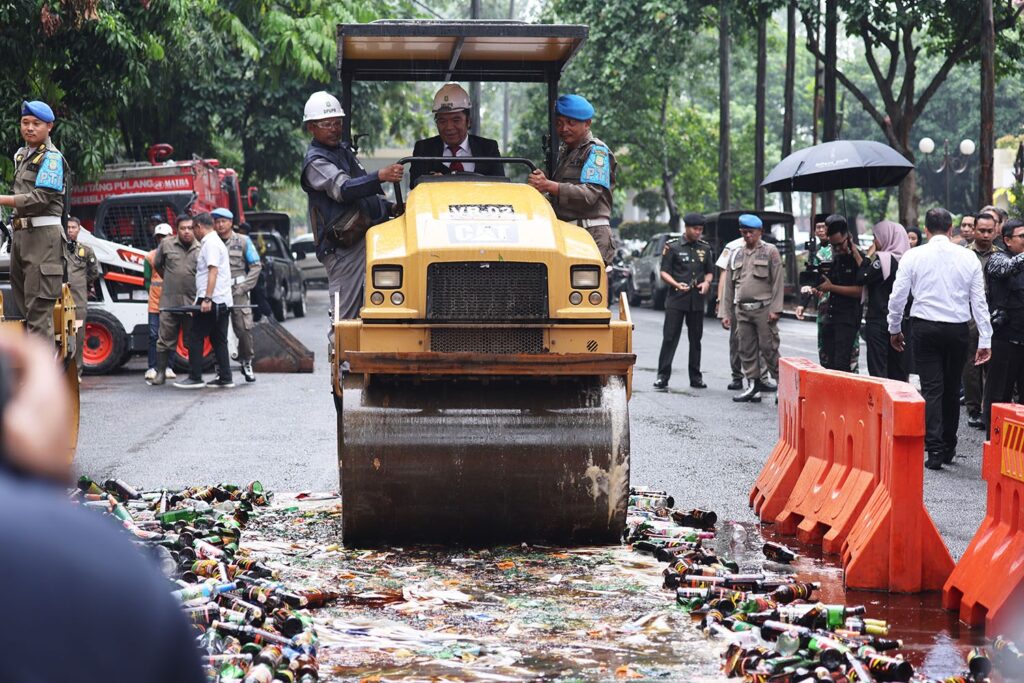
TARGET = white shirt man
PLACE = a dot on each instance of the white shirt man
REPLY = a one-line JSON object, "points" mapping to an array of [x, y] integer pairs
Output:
{"points": [[213, 253], [948, 288]]}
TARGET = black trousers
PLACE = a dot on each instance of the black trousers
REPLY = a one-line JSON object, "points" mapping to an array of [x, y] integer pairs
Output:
{"points": [[883, 360], [215, 326], [1005, 372], [837, 340], [670, 334], [939, 353]]}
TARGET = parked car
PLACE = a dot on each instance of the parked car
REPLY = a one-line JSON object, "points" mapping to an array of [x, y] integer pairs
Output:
{"points": [[283, 278], [645, 272], [314, 275]]}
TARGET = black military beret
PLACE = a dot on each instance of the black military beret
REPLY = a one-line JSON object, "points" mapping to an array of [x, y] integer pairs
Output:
{"points": [[694, 219]]}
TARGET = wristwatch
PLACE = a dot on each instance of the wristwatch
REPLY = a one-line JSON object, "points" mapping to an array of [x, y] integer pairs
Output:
{"points": [[206, 298]]}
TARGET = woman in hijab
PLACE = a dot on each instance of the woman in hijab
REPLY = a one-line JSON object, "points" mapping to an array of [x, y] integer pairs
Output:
{"points": [[914, 235], [877, 274]]}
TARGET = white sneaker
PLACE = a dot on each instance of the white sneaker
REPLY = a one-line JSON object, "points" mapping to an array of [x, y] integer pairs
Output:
{"points": [[169, 374], [150, 374]]}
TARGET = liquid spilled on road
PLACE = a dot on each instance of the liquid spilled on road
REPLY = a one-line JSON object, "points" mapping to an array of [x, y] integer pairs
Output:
{"points": [[544, 613]]}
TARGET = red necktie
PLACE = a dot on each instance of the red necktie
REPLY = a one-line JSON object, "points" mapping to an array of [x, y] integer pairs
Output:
{"points": [[455, 166]]}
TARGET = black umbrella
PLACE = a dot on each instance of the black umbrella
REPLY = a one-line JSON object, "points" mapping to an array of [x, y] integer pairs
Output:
{"points": [[838, 165]]}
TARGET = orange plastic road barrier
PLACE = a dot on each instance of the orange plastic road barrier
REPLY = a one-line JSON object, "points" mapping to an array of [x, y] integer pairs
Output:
{"points": [[987, 585], [858, 446], [894, 543], [778, 476]]}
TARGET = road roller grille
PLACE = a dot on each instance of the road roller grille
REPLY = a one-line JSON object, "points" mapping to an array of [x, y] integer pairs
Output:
{"points": [[461, 340], [487, 291]]}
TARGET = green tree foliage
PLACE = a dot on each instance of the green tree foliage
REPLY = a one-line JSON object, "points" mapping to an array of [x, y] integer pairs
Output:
{"points": [[224, 78], [87, 61], [897, 37]]}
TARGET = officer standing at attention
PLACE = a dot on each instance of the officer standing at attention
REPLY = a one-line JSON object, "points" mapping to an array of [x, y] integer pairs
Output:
{"points": [[581, 189], [752, 299], [37, 254], [83, 270], [245, 272], [336, 184], [687, 269]]}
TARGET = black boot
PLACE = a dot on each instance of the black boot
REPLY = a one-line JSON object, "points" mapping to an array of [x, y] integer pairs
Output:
{"points": [[161, 368], [934, 461], [751, 395]]}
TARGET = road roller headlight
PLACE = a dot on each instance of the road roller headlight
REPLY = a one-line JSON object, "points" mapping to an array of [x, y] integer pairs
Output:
{"points": [[595, 298], [585, 277], [387, 277], [575, 298], [397, 298], [376, 298]]}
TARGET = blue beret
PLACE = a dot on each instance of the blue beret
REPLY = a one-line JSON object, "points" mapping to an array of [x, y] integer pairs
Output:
{"points": [[38, 109], [750, 221], [222, 213], [575, 107]]}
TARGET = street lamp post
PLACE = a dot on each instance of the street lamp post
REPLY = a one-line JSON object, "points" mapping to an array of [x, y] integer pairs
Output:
{"points": [[951, 163]]}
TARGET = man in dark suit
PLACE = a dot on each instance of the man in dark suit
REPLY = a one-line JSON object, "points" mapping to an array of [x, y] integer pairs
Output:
{"points": [[451, 114]]}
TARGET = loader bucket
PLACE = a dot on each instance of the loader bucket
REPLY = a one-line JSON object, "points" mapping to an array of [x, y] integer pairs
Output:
{"points": [[483, 461]]}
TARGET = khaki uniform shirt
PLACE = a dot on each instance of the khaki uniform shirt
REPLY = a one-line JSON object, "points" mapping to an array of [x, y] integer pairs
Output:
{"points": [[40, 164], [242, 282], [753, 275], [83, 270], [176, 263], [576, 197]]}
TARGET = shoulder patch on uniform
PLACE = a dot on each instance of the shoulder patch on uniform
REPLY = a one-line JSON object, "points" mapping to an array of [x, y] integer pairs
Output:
{"points": [[51, 172], [251, 255], [597, 168], [876, 264]]}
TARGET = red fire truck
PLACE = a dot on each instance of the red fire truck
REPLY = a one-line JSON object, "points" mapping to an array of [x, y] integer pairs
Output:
{"points": [[127, 201], [120, 210]]}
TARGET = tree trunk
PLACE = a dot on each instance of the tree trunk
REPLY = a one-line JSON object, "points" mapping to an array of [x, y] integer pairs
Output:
{"points": [[829, 132], [787, 96], [759, 106], [986, 142], [667, 187], [724, 163]]}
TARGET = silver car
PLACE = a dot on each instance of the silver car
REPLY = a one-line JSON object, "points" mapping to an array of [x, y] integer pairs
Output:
{"points": [[645, 272], [314, 275]]}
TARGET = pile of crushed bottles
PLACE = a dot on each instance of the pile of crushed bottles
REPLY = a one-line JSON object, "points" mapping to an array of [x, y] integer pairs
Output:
{"points": [[250, 627], [774, 628]]}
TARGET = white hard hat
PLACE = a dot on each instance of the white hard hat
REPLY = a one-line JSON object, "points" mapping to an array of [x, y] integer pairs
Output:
{"points": [[163, 229], [451, 97], [322, 105]]}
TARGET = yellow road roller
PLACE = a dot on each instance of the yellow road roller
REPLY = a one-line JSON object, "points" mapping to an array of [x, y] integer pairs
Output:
{"points": [[64, 337], [486, 393]]}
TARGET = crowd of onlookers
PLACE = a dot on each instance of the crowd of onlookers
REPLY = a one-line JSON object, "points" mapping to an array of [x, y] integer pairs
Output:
{"points": [[946, 304]]}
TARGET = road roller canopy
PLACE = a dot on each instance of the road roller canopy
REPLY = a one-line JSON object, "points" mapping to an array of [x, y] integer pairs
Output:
{"points": [[467, 51], [456, 50]]}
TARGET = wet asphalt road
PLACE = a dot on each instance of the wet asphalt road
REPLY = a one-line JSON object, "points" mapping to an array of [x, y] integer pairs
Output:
{"points": [[695, 443]]}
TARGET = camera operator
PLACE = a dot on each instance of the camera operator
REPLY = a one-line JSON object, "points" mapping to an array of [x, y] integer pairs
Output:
{"points": [[839, 281], [878, 274]]}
